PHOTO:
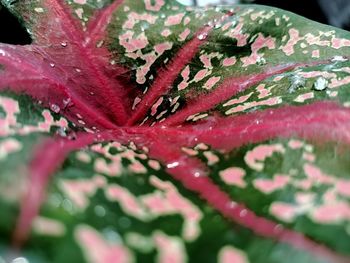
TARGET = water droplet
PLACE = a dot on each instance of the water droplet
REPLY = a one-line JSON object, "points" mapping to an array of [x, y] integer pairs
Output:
{"points": [[197, 174], [52, 65], [218, 25], [92, 93], [320, 84], [297, 82], [111, 235], [202, 36], [72, 136], [63, 44], [67, 205], [261, 61], [78, 70], [243, 213], [231, 204], [66, 102], [172, 165], [162, 15], [100, 211], [339, 59], [55, 108], [99, 44], [278, 228], [124, 222], [20, 260], [62, 132]]}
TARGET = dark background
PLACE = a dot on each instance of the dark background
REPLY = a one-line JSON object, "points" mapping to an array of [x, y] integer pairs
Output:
{"points": [[334, 12]]}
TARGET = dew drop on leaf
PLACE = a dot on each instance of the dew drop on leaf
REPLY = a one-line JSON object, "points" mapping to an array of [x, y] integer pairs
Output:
{"points": [[243, 213], [62, 132], [55, 108], [172, 165], [20, 260], [100, 211], [261, 61], [202, 36], [66, 102], [297, 82], [63, 44], [320, 84], [52, 65], [339, 59]]}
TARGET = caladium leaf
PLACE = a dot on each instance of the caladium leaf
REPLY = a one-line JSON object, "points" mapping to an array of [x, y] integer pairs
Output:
{"points": [[146, 130]]}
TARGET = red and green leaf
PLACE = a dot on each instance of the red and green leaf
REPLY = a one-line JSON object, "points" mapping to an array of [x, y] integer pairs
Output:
{"points": [[145, 130]]}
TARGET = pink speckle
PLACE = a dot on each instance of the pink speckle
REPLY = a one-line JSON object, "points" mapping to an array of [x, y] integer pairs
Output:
{"points": [[258, 44], [233, 176], [166, 32], [209, 84], [309, 157], [295, 144], [126, 200], [268, 102], [343, 188], [142, 71], [9, 146], [339, 82], [294, 38], [169, 201], [103, 250], [315, 53], [160, 48], [174, 19], [340, 42], [317, 175], [303, 97], [229, 254], [263, 92], [155, 165], [283, 211], [80, 2], [201, 75], [171, 250], [268, 186], [131, 43], [83, 157], [137, 167], [134, 18], [185, 75], [110, 169], [229, 61], [313, 74], [184, 34], [156, 7], [156, 105], [79, 191], [257, 156], [187, 20], [206, 60], [211, 157], [79, 12], [48, 226], [238, 100], [332, 213], [238, 34], [305, 198]]}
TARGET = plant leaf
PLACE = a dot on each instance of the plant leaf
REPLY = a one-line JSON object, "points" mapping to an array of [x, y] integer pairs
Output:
{"points": [[146, 130]]}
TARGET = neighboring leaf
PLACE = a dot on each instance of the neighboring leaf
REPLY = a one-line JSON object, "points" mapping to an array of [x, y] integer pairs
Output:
{"points": [[148, 131]]}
